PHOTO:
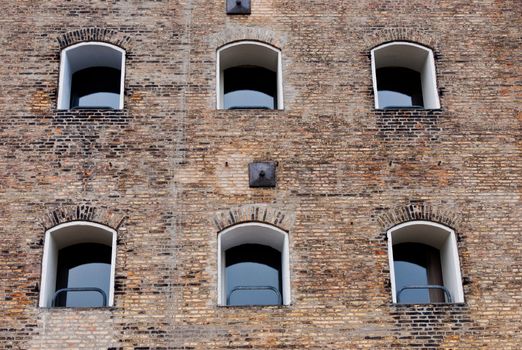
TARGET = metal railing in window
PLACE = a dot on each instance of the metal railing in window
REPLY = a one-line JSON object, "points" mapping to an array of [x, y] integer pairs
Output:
{"points": [[91, 107], [449, 300], [249, 107], [403, 107], [269, 288], [82, 289]]}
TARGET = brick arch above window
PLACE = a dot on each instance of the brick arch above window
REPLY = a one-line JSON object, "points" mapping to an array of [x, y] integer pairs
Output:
{"points": [[446, 215], [263, 213], [386, 35], [95, 34], [235, 34], [83, 212]]}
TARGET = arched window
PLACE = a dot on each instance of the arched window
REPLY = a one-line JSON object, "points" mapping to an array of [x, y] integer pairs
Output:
{"points": [[253, 266], [249, 76], [91, 76], [404, 76], [424, 264], [78, 266]]}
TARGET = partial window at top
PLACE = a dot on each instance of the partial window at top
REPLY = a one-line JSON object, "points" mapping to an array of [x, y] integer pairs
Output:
{"points": [[91, 76], [404, 76], [249, 76]]}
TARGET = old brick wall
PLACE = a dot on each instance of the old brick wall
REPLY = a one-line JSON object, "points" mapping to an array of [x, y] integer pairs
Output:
{"points": [[169, 171]]}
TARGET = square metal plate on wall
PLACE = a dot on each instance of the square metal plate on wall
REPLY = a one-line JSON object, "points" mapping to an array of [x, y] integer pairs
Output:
{"points": [[238, 7], [262, 174]]}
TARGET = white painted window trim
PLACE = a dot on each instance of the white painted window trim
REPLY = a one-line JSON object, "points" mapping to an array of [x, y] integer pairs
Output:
{"points": [[285, 261], [64, 104], [219, 72], [429, 65], [457, 292], [47, 289]]}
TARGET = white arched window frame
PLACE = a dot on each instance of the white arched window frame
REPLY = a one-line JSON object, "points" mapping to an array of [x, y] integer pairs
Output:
{"points": [[85, 55], [435, 235], [252, 53], [253, 233], [68, 234], [408, 55]]}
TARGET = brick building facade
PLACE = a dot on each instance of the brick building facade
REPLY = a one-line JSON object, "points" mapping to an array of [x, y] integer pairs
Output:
{"points": [[169, 171]]}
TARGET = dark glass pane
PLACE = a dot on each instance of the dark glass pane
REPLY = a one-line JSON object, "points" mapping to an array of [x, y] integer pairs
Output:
{"points": [[83, 265], [399, 87], [253, 275], [250, 87], [417, 264], [96, 87]]}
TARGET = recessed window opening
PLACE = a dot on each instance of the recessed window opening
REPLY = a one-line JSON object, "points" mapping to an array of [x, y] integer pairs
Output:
{"points": [[424, 264], [259, 90], [83, 265], [253, 266], [399, 87], [91, 76], [404, 76], [78, 266], [418, 264], [96, 87], [253, 275], [249, 76]]}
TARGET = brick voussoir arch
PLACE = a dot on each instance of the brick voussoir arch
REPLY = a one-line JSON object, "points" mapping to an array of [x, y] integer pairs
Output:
{"points": [[83, 212], [263, 213], [387, 35], [419, 211], [95, 34], [262, 35]]}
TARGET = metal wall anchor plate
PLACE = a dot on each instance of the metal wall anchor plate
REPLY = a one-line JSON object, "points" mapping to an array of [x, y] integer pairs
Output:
{"points": [[238, 7], [262, 174]]}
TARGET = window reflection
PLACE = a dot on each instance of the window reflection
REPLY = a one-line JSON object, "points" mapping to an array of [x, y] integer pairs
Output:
{"points": [[399, 87], [96, 87], [250, 87], [83, 265], [417, 264], [253, 275]]}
